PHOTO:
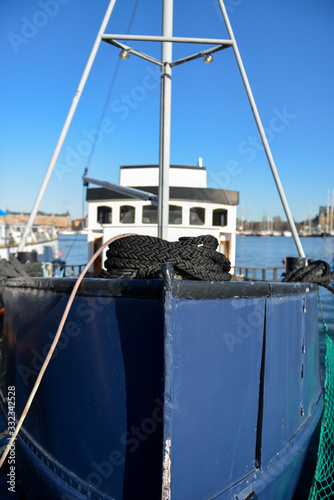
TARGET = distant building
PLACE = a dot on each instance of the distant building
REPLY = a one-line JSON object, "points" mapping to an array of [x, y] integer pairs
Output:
{"points": [[59, 221], [78, 224]]}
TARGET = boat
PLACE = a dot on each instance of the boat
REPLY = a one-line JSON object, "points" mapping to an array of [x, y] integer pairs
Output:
{"points": [[160, 388], [41, 240], [194, 209], [205, 390], [328, 234]]}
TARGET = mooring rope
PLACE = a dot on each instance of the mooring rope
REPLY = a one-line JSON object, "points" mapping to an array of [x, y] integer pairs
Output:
{"points": [[317, 271], [13, 268], [139, 256]]}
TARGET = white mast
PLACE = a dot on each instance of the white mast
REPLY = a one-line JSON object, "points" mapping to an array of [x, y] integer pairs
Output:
{"points": [[242, 216], [327, 214], [332, 213]]}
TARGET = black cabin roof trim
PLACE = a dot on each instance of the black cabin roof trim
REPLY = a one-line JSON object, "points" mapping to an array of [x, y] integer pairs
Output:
{"points": [[207, 195]]}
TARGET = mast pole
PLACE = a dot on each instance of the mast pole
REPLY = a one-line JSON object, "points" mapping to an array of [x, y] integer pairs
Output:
{"points": [[262, 132], [327, 213], [165, 119], [332, 213], [66, 125]]}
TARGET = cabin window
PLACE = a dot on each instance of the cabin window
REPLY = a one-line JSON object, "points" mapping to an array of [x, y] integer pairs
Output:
{"points": [[127, 214], [197, 216], [150, 214], [175, 214], [104, 215], [219, 217]]}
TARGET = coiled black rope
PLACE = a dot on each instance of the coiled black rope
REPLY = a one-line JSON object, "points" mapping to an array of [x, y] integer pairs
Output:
{"points": [[139, 256], [317, 271], [13, 268]]}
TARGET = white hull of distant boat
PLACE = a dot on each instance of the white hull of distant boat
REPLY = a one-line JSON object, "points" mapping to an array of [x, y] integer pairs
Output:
{"points": [[42, 239]]}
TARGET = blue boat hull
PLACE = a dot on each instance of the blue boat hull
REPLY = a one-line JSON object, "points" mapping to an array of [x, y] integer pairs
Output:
{"points": [[163, 389]]}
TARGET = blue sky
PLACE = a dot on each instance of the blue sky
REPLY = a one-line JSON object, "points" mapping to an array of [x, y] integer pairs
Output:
{"points": [[287, 48]]}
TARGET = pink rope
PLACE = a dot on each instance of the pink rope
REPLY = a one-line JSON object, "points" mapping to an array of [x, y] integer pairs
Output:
{"points": [[54, 345]]}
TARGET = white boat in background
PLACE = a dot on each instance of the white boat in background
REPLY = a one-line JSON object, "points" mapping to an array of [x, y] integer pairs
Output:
{"points": [[287, 234], [68, 233], [41, 239], [194, 209], [72, 233], [265, 233]]}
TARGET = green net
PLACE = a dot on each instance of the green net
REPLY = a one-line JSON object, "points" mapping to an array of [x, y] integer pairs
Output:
{"points": [[323, 483]]}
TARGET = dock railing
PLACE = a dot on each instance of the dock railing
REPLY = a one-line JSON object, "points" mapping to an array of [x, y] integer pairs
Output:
{"points": [[257, 273], [68, 270], [240, 272]]}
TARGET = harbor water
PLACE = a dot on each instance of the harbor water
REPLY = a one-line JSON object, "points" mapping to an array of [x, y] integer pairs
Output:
{"points": [[252, 251]]}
